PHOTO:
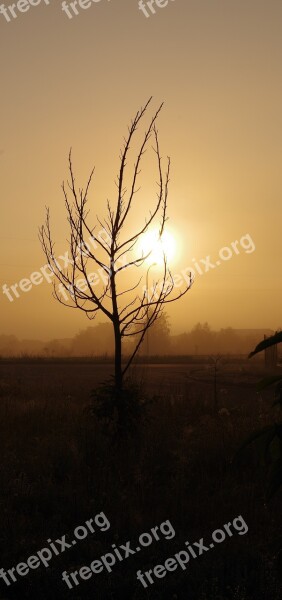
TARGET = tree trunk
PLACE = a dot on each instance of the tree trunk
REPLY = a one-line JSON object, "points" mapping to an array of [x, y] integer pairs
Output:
{"points": [[119, 399], [118, 368]]}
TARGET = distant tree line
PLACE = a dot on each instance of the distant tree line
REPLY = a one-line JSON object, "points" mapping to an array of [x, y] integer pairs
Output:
{"points": [[98, 341]]}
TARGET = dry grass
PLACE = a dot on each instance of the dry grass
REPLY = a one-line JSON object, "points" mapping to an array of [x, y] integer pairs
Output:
{"points": [[58, 470]]}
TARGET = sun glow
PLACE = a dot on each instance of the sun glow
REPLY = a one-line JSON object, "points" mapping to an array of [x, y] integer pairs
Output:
{"points": [[157, 247]]}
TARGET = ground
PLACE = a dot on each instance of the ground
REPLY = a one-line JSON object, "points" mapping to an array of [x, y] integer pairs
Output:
{"points": [[59, 469]]}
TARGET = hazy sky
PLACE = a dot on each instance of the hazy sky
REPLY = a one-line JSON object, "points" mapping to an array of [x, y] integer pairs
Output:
{"points": [[77, 82]]}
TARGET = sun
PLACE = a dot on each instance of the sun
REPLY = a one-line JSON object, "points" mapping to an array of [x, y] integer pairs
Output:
{"points": [[157, 247]]}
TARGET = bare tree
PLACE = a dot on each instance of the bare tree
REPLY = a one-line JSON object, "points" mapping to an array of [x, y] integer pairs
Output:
{"points": [[128, 306]]}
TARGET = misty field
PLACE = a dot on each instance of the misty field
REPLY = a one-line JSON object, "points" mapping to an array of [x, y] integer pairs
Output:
{"points": [[59, 468]]}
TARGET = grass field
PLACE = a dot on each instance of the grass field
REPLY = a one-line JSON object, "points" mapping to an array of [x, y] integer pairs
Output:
{"points": [[59, 469]]}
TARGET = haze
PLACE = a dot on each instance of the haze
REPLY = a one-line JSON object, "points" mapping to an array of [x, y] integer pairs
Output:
{"points": [[217, 67]]}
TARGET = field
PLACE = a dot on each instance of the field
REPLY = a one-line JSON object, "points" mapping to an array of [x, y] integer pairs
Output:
{"points": [[60, 467]]}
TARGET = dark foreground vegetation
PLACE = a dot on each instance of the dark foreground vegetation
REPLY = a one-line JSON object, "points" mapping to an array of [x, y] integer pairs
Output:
{"points": [[59, 469]]}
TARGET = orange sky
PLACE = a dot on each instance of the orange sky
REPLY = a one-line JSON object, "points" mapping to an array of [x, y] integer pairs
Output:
{"points": [[217, 66]]}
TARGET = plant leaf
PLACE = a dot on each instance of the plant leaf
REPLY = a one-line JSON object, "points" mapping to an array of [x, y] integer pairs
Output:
{"points": [[271, 341]]}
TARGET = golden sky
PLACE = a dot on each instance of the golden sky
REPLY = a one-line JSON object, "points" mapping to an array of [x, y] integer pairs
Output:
{"points": [[77, 82]]}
